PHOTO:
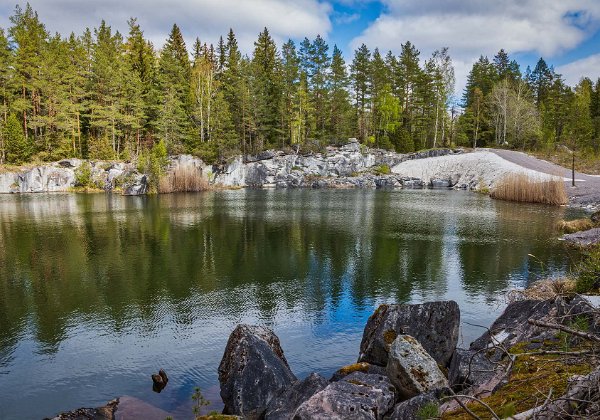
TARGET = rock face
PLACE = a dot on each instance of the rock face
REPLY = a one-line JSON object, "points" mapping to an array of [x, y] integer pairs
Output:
{"points": [[349, 166], [253, 371], [434, 325], [357, 396], [411, 369], [284, 405], [584, 239]]}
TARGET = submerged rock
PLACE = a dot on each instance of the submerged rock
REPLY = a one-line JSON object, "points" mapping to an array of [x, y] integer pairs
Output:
{"points": [[284, 405], [253, 371], [357, 396], [106, 412], [411, 369], [434, 325]]}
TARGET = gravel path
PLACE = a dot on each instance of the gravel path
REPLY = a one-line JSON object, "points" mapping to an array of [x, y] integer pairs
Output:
{"points": [[586, 192]]}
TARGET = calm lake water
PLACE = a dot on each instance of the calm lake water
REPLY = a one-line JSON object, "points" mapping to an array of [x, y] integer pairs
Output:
{"points": [[99, 291]]}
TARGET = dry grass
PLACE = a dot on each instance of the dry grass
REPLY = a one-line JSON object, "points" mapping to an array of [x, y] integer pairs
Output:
{"points": [[544, 290], [183, 179], [586, 161], [572, 226], [522, 188]]}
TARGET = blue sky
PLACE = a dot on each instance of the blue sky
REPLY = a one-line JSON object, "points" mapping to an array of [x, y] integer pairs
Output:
{"points": [[565, 32]]}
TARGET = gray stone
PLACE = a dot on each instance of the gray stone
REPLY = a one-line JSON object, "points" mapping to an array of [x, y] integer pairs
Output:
{"points": [[440, 183], [137, 185], [284, 405], [358, 367], [357, 396], [106, 412], [253, 371], [468, 368], [411, 369], [256, 175], [433, 324], [512, 326], [411, 408], [412, 183], [585, 238]]}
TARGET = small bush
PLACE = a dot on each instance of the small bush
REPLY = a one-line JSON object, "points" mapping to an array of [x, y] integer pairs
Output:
{"points": [[382, 170], [83, 175], [572, 226], [182, 179], [522, 188], [428, 411]]}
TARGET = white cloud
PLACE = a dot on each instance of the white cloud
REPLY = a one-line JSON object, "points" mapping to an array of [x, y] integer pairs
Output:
{"points": [[206, 19], [585, 67], [474, 27]]}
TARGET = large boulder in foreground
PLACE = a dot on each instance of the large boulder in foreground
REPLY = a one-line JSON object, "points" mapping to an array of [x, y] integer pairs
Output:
{"points": [[411, 369], [284, 405], [512, 327], [253, 371], [358, 396], [433, 324]]}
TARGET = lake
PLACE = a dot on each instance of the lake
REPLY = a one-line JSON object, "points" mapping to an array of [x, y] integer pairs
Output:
{"points": [[99, 291]]}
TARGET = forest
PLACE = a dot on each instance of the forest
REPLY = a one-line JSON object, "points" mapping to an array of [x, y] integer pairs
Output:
{"points": [[103, 95]]}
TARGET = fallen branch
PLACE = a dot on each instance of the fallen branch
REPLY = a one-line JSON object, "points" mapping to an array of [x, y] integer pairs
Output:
{"points": [[457, 397], [582, 334]]}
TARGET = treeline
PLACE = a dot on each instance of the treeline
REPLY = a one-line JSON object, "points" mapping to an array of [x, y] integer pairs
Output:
{"points": [[534, 110], [102, 95]]}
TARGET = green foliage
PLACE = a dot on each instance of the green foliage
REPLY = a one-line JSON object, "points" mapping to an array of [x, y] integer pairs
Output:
{"points": [[382, 170], [18, 148], [104, 96], [83, 175], [199, 401], [154, 163], [588, 272], [507, 411], [428, 411]]}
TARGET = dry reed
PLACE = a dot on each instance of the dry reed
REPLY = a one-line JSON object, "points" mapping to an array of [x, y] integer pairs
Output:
{"points": [[183, 179], [572, 226], [522, 188], [544, 290]]}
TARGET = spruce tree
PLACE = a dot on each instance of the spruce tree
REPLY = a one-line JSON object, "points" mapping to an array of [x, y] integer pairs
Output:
{"points": [[18, 149]]}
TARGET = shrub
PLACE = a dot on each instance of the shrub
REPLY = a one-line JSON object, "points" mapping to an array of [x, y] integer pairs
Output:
{"points": [[522, 188], [154, 164], [83, 175], [382, 170]]}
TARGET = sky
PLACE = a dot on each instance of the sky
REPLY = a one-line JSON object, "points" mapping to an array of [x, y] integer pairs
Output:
{"points": [[565, 32]]}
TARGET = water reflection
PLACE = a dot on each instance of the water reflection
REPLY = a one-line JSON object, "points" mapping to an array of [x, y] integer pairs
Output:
{"points": [[98, 291]]}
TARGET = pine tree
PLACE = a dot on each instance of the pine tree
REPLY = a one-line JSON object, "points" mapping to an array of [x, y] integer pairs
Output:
{"points": [[266, 90], [29, 36], [341, 120], [362, 85], [290, 71], [174, 82], [18, 148]]}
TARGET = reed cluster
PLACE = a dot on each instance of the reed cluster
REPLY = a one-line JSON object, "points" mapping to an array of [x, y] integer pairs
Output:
{"points": [[182, 179], [523, 188]]}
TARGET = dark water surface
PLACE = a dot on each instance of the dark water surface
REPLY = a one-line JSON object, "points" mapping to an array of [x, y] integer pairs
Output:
{"points": [[98, 291]]}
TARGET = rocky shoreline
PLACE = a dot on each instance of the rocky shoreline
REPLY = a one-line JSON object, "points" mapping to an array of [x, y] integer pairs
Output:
{"points": [[408, 367], [348, 166]]}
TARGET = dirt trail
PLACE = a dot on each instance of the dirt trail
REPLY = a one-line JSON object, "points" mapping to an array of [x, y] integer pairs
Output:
{"points": [[586, 192]]}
